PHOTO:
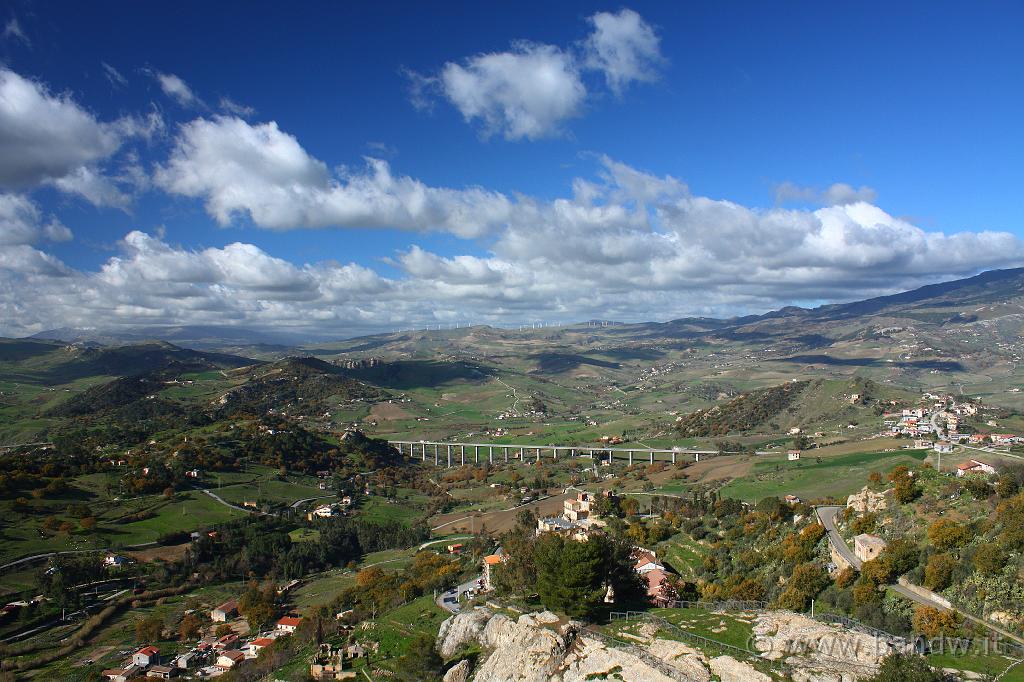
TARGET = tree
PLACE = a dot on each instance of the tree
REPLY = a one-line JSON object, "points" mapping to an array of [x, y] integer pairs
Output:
{"points": [[148, 629], [989, 559], [569, 575], [846, 577], [1010, 515], [906, 668], [223, 629], [938, 572], [807, 581], [933, 622], [948, 534], [901, 555], [191, 626], [257, 606], [88, 524], [630, 506]]}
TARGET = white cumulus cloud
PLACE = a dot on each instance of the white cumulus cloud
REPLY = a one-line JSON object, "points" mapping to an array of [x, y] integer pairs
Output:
{"points": [[262, 172], [531, 90], [624, 47]]}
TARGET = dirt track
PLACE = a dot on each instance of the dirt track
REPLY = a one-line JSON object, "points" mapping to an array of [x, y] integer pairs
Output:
{"points": [[497, 521]]}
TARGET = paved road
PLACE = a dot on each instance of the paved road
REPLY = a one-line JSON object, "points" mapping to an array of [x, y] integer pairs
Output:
{"points": [[827, 515], [448, 539], [449, 601], [228, 504], [298, 503]]}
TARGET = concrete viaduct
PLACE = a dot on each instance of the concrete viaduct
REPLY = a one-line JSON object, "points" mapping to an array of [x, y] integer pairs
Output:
{"points": [[460, 454]]}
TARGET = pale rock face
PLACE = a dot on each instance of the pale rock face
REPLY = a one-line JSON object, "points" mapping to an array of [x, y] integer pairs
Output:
{"points": [[686, 660], [590, 658], [521, 650], [818, 652], [461, 629], [728, 669], [458, 672], [867, 501], [531, 649]]}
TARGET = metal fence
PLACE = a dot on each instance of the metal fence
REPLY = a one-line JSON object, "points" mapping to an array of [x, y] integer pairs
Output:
{"points": [[672, 627], [857, 625], [725, 605]]}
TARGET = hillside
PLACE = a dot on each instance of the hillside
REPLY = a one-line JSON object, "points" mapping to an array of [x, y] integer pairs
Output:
{"points": [[742, 413], [299, 386]]}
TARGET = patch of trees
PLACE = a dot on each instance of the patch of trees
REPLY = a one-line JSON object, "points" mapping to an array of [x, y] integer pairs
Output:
{"points": [[742, 413], [260, 547], [301, 386]]}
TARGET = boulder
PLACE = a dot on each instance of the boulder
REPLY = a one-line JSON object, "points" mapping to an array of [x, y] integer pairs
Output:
{"points": [[817, 652], [728, 669], [592, 659], [458, 672], [461, 629], [683, 658]]}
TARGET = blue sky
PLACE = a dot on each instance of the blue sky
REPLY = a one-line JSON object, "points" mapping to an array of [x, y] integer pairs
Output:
{"points": [[653, 160]]}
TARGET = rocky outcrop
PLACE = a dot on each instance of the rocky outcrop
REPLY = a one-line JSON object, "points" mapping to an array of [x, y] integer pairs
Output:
{"points": [[592, 659], [683, 658], [728, 669], [817, 652], [537, 647], [458, 672], [867, 501], [461, 629]]}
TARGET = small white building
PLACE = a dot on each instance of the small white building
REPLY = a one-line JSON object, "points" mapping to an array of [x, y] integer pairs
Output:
{"points": [[289, 624], [229, 659], [974, 466], [793, 455], [145, 656]]}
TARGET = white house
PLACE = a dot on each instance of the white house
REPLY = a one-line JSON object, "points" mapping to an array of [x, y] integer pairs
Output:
{"points": [[114, 561], [646, 561], [793, 455], [224, 612], [229, 658], [145, 656], [973, 466], [288, 624]]}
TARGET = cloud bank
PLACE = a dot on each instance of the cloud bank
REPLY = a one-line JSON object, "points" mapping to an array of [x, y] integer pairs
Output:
{"points": [[624, 245]]}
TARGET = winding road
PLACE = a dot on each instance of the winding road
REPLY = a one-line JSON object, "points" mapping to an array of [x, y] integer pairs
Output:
{"points": [[827, 515]]}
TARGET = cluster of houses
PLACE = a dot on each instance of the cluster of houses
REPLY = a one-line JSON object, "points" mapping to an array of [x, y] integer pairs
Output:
{"points": [[577, 523], [918, 423], [326, 511], [211, 657]]}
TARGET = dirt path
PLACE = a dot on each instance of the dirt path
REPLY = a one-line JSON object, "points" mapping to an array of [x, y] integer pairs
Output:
{"points": [[498, 521]]}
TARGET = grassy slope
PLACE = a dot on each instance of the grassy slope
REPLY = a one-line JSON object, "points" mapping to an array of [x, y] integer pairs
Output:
{"points": [[833, 477]]}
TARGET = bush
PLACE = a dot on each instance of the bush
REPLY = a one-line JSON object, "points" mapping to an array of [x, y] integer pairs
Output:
{"points": [[989, 559], [948, 534], [938, 573]]}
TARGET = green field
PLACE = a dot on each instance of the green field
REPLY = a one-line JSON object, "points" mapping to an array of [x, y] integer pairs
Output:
{"points": [[682, 553], [838, 476]]}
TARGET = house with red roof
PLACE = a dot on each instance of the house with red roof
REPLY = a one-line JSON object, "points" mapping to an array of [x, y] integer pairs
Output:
{"points": [[146, 656], [253, 648], [289, 623]]}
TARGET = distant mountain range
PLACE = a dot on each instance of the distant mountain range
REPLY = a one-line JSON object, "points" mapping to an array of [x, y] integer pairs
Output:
{"points": [[990, 295]]}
